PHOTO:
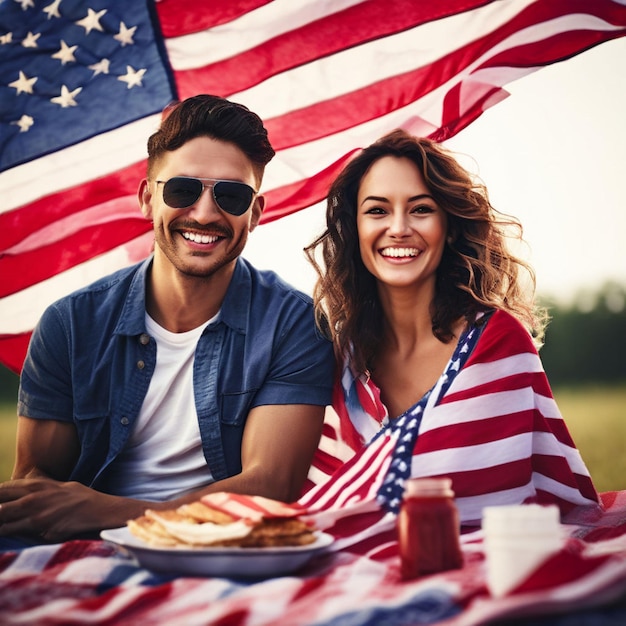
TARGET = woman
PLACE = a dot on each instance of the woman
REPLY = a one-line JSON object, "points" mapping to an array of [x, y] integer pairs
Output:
{"points": [[434, 322]]}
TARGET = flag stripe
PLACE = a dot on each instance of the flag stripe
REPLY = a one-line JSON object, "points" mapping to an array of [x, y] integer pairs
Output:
{"points": [[187, 16], [21, 310], [25, 269]]}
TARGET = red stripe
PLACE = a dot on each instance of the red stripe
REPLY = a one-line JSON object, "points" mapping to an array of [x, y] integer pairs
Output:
{"points": [[556, 467], [241, 506], [477, 432], [498, 342], [13, 350], [303, 193], [491, 479], [18, 224], [353, 524], [514, 382], [27, 268], [182, 17], [358, 474], [558, 427], [326, 463]]}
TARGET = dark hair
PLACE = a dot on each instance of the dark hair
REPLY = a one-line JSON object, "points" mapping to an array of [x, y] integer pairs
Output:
{"points": [[476, 273], [211, 116]]}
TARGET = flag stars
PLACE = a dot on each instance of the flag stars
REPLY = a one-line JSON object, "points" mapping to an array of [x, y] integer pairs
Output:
{"points": [[66, 99], [23, 84], [53, 9], [65, 53], [26, 4], [132, 77], [5, 39], [30, 41], [101, 67], [125, 36], [92, 21], [25, 122]]}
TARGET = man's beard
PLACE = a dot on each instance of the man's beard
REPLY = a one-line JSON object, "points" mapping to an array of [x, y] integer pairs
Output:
{"points": [[170, 251]]}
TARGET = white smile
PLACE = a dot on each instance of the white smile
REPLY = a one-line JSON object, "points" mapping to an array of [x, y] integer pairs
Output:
{"points": [[400, 253], [198, 238]]}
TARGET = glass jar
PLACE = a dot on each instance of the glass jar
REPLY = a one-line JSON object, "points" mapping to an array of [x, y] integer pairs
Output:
{"points": [[428, 528]]}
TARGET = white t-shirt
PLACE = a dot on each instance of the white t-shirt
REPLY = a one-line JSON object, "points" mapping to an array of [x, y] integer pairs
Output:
{"points": [[163, 456]]}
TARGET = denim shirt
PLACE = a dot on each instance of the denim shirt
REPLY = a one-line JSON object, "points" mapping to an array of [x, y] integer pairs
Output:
{"points": [[90, 362]]}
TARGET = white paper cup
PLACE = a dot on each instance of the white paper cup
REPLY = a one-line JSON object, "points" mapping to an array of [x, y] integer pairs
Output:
{"points": [[517, 539]]}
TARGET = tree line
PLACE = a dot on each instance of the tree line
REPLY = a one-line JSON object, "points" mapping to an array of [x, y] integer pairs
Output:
{"points": [[586, 341]]}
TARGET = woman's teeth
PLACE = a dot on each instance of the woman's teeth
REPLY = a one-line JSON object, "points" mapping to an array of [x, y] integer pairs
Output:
{"points": [[399, 253]]}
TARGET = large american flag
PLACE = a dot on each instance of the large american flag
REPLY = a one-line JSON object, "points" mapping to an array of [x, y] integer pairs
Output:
{"points": [[82, 85]]}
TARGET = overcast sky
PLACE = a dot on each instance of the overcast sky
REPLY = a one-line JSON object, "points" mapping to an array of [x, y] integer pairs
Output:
{"points": [[553, 154]]}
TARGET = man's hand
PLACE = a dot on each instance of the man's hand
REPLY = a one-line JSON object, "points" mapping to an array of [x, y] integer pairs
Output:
{"points": [[55, 511]]}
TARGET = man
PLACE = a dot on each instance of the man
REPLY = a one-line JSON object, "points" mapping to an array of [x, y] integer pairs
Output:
{"points": [[189, 373]]}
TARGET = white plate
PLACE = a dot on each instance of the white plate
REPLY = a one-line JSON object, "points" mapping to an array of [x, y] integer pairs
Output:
{"points": [[226, 562]]}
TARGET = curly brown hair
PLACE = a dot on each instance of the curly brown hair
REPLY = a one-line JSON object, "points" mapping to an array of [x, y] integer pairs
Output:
{"points": [[477, 272]]}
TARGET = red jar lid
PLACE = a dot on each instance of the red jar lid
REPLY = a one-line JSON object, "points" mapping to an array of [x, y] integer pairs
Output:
{"points": [[440, 487]]}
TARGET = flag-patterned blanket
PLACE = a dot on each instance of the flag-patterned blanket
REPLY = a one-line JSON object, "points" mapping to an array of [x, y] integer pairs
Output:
{"points": [[490, 423], [89, 582]]}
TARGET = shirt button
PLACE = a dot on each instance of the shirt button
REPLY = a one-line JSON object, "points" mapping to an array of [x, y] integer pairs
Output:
{"points": [[124, 421], [140, 365], [144, 339]]}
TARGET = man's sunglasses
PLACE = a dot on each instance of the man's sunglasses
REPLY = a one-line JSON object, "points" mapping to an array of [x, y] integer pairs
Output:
{"points": [[231, 196]]}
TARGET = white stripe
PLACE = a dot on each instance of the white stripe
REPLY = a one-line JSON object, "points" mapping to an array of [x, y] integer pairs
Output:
{"points": [[548, 444], [22, 310], [344, 489], [471, 508], [77, 164], [348, 481], [325, 518], [478, 373], [114, 210], [476, 457], [501, 451], [547, 406], [478, 408], [259, 25], [337, 448], [571, 494], [317, 476]]}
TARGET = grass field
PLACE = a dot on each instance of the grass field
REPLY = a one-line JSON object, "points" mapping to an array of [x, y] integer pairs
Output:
{"points": [[596, 417]]}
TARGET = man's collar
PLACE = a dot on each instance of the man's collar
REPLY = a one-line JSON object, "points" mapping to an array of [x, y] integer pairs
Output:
{"points": [[233, 311], [236, 304]]}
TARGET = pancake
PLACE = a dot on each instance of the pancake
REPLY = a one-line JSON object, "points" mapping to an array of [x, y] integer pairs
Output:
{"points": [[198, 524]]}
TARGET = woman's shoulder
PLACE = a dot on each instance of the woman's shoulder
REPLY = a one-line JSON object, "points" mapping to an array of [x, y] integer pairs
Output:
{"points": [[503, 332]]}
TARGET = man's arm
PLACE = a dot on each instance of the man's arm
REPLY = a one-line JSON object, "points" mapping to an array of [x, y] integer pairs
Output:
{"points": [[38, 501], [278, 445], [279, 442], [45, 448]]}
